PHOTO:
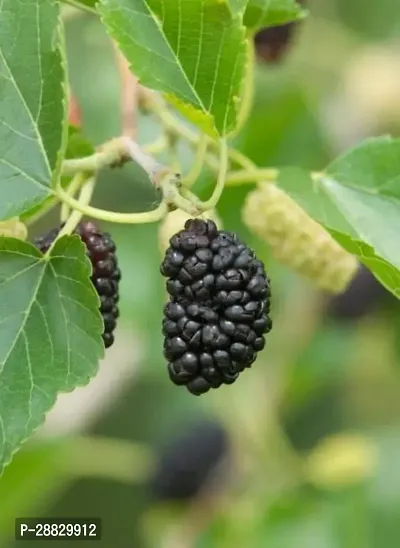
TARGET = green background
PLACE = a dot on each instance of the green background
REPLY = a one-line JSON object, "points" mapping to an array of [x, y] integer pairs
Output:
{"points": [[338, 377]]}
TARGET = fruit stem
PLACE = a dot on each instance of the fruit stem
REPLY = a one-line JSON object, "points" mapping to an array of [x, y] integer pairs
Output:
{"points": [[85, 195], [173, 125], [111, 216], [144, 160], [198, 162], [170, 186], [156, 147], [114, 152], [219, 188], [73, 188]]}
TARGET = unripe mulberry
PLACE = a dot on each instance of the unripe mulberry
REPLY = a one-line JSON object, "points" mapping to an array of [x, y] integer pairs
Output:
{"points": [[175, 221], [106, 275], [13, 228], [296, 240], [218, 310]]}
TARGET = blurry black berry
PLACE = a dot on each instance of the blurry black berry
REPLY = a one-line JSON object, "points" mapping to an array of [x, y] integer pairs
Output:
{"points": [[272, 43], [365, 295], [105, 272], [218, 310], [189, 462]]}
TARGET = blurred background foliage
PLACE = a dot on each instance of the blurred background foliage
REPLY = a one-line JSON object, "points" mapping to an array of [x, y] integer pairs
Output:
{"points": [[303, 450]]}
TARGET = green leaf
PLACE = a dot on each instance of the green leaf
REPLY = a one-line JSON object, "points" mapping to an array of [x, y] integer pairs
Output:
{"points": [[77, 147], [269, 13], [89, 3], [32, 106], [358, 201], [238, 6], [195, 52], [50, 340]]}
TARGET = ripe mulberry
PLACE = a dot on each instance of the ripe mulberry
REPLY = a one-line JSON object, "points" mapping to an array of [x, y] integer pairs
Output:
{"points": [[106, 275], [364, 296], [190, 461], [218, 309]]}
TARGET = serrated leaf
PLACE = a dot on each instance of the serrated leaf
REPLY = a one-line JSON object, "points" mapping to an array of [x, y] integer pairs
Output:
{"points": [[269, 13], [32, 106], [192, 50], [50, 338], [77, 147], [356, 200]]}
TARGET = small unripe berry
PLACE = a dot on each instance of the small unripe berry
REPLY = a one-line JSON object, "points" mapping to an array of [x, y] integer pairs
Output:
{"points": [[341, 460], [296, 240], [13, 228]]}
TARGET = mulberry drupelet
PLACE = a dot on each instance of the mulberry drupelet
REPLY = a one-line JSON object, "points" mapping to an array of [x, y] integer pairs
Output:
{"points": [[218, 309], [106, 275]]}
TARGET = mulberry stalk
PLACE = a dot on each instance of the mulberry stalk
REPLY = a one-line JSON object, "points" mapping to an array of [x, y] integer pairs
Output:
{"points": [[215, 321]]}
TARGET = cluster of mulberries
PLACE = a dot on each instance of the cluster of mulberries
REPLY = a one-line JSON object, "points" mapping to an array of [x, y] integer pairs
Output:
{"points": [[296, 240], [106, 275], [218, 309], [189, 462]]}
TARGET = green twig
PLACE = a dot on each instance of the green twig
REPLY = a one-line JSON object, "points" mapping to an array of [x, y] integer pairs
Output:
{"points": [[84, 199], [173, 125], [72, 189], [156, 147], [198, 162], [111, 216], [115, 152], [219, 188]]}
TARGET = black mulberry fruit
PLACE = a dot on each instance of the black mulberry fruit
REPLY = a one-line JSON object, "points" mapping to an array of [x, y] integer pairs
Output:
{"points": [[364, 296], [190, 461], [218, 309], [272, 43], [106, 275]]}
